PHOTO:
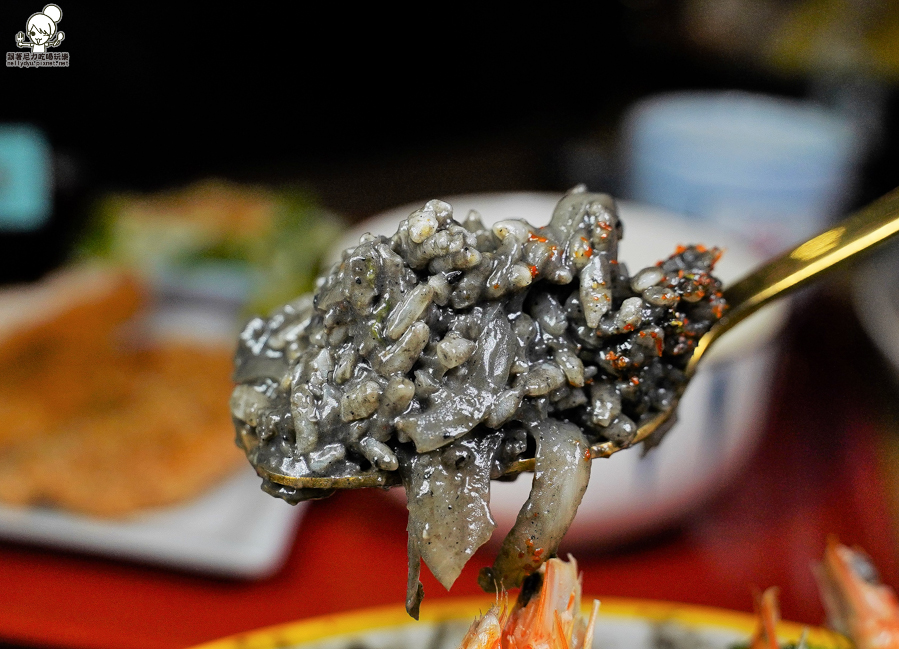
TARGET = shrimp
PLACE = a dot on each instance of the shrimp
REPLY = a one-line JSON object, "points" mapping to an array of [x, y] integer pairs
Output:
{"points": [[548, 619], [857, 603]]}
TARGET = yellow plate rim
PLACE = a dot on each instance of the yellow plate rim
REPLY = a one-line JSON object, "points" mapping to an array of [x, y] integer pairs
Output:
{"points": [[370, 619]]}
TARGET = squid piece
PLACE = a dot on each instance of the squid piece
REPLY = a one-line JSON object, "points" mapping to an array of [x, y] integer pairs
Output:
{"points": [[458, 409], [447, 494], [560, 480]]}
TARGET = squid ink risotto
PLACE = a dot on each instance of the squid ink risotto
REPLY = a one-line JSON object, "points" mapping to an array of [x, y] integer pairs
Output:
{"points": [[441, 356]]}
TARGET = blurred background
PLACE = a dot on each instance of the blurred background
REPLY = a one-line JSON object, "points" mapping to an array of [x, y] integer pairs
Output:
{"points": [[208, 157]]}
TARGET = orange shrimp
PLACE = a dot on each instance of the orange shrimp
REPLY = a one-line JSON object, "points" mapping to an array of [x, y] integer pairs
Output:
{"points": [[549, 619], [857, 603]]}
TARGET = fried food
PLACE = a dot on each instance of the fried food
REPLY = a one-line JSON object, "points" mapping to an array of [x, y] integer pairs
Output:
{"points": [[95, 423]]}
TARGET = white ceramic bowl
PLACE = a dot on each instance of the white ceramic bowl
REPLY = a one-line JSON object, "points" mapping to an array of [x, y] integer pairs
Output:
{"points": [[721, 415], [875, 297], [621, 624]]}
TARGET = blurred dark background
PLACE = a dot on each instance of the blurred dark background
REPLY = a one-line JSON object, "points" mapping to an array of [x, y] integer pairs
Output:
{"points": [[371, 108]]}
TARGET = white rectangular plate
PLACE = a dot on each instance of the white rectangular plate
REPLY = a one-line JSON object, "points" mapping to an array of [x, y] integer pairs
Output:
{"points": [[234, 530]]}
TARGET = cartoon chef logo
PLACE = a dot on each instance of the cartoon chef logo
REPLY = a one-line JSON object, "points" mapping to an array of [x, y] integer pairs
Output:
{"points": [[42, 30]]}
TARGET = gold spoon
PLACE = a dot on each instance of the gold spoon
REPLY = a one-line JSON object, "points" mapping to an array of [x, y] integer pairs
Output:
{"points": [[790, 271]]}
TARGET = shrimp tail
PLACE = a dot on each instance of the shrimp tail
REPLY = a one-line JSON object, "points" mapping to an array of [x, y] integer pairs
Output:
{"points": [[857, 603], [768, 611], [547, 614]]}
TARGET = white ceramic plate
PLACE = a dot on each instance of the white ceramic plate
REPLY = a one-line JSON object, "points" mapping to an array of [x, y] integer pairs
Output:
{"points": [[721, 415], [621, 624], [233, 530]]}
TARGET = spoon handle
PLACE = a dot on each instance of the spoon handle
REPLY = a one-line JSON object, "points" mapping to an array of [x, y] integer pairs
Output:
{"points": [[795, 268]]}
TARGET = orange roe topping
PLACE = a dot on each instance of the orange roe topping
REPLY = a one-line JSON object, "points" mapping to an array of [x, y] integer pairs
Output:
{"points": [[618, 362]]}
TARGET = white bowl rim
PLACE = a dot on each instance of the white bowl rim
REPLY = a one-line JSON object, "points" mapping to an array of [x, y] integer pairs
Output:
{"points": [[876, 306]]}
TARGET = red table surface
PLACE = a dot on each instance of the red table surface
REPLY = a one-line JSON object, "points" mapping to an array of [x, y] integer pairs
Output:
{"points": [[819, 471]]}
